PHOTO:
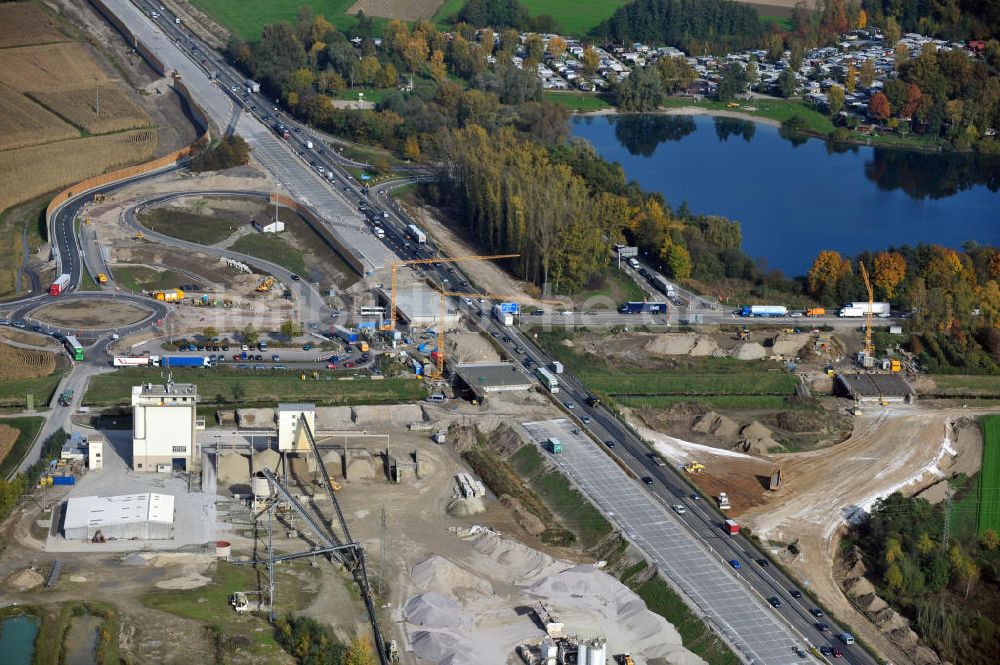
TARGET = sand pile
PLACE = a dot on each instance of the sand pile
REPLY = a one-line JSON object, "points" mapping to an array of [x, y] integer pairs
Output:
{"points": [[25, 580], [440, 575], [398, 414], [466, 507], [789, 344], [872, 603], [433, 610], [268, 458], [749, 351], [672, 344], [232, 470], [706, 346], [135, 560], [470, 348], [859, 587], [757, 439], [481, 624], [717, 425]]}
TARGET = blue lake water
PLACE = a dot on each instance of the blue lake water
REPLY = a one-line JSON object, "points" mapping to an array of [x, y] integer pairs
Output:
{"points": [[793, 199], [17, 639]]}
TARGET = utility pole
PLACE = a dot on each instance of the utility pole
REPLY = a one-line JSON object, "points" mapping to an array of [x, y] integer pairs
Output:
{"points": [[946, 532], [98, 99], [381, 554]]}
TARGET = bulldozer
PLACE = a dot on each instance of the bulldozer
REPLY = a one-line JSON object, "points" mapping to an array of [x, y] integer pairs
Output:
{"points": [[694, 467], [138, 235]]}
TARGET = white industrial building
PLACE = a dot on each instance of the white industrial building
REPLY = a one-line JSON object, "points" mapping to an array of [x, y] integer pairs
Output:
{"points": [[81, 447], [290, 439], [163, 427], [130, 516]]}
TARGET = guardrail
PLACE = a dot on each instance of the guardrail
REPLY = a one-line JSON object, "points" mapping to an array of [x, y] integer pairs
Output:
{"points": [[128, 172]]}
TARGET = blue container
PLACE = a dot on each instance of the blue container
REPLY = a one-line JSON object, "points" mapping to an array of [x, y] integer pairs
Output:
{"points": [[64, 480]]}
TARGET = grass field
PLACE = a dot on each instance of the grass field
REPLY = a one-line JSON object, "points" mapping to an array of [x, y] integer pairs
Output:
{"points": [[573, 510], [989, 476], [577, 101], [771, 109], [613, 289], [271, 248], [966, 385], [204, 229], [695, 635], [371, 94], [12, 393], [247, 17], [28, 427], [575, 17], [752, 402], [12, 229], [140, 278], [79, 106], [215, 386]]}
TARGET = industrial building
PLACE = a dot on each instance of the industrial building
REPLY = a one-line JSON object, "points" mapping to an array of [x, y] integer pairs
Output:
{"points": [[491, 377], [290, 436], [131, 516], [875, 388], [163, 427], [419, 305]]}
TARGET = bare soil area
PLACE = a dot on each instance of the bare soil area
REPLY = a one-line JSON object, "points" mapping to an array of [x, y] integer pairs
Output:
{"points": [[404, 10], [83, 314]]}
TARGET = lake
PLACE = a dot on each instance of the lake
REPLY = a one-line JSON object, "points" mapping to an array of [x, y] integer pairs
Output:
{"points": [[793, 199], [17, 639]]}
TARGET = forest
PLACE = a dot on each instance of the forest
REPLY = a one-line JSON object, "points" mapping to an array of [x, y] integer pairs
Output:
{"points": [[948, 586], [948, 19], [695, 26]]}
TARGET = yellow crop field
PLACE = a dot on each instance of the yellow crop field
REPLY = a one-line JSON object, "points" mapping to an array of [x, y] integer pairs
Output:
{"points": [[17, 363], [49, 67], [8, 437], [26, 23], [26, 173], [24, 123], [79, 107]]}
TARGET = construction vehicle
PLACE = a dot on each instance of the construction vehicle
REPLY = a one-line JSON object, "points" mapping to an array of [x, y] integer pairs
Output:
{"points": [[624, 659], [856, 410], [243, 605], [895, 366], [694, 467], [868, 355], [100, 198], [86, 221], [138, 235], [169, 295], [266, 285], [745, 334], [102, 278], [363, 346], [815, 311], [732, 105], [724, 501]]}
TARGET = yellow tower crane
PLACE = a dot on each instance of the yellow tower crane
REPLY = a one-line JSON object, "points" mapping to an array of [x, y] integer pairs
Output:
{"points": [[868, 359], [391, 325]]}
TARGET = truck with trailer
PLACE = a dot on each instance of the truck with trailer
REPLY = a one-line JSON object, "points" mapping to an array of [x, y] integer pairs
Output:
{"points": [[663, 286], [184, 361], [169, 295], [503, 318], [252, 86], [131, 361], [880, 309], [65, 397], [548, 379], [643, 307], [763, 310], [348, 336], [418, 235], [60, 285]]}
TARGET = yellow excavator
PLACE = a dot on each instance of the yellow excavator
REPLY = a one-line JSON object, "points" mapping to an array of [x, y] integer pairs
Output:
{"points": [[694, 467], [266, 285]]}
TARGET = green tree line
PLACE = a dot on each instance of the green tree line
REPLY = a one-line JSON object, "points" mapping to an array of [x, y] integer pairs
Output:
{"points": [[12, 490]]}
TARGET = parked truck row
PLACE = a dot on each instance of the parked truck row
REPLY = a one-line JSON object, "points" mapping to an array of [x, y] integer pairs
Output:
{"points": [[854, 309]]}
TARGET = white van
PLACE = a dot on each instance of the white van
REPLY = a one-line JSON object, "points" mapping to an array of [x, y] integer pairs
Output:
{"points": [[846, 638]]}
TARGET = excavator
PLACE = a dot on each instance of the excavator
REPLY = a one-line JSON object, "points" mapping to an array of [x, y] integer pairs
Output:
{"points": [[266, 285], [694, 467]]}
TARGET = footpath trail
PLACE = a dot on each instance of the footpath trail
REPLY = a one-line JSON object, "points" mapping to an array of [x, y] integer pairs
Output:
{"points": [[903, 448]]}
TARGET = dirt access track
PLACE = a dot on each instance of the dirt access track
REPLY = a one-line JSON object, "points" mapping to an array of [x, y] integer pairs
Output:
{"points": [[900, 448]]}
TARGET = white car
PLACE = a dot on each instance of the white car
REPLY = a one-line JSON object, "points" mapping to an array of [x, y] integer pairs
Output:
{"points": [[679, 509]]}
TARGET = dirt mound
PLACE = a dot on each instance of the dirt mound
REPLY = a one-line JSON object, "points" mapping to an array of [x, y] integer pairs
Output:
{"points": [[935, 493], [25, 580], [889, 620], [672, 344], [470, 348], [268, 458], [717, 425], [749, 351], [859, 587], [525, 519], [706, 346], [789, 344], [233, 470], [466, 507], [504, 440], [924, 656], [757, 439], [872, 603]]}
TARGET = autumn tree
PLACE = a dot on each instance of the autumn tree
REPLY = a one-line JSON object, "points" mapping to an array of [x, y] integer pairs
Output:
{"points": [[878, 107], [825, 275], [914, 98], [534, 49], [893, 578], [590, 60], [753, 73], [889, 272], [989, 540], [925, 544], [556, 46], [677, 259], [360, 652], [892, 31], [436, 66], [867, 75], [411, 148], [861, 22], [250, 335], [835, 99], [851, 79], [387, 76]]}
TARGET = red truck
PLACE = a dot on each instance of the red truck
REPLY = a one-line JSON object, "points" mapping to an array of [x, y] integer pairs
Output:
{"points": [[60, 285], [732, 528]]}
